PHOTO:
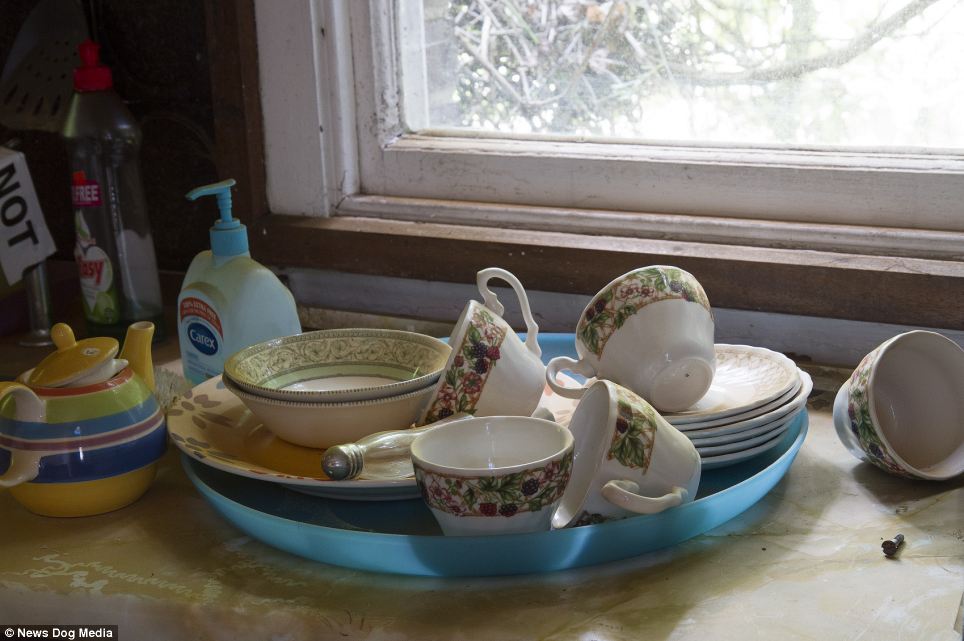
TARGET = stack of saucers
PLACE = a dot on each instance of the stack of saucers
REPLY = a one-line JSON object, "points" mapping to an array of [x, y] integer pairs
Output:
{"points": [[755, 397]]}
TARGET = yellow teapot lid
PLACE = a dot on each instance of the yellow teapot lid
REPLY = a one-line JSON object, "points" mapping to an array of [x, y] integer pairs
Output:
{"points": [[73, 359]]}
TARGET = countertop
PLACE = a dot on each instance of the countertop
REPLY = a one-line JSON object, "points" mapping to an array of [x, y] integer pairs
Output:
{"points": [[803, 563]]}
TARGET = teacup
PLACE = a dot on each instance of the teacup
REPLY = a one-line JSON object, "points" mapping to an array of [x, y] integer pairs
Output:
{"points": [[490, 370], [650, 330], [628, 460], [903, 407], [493, 475]]}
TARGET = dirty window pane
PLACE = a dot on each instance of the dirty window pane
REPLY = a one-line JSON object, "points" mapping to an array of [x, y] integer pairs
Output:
{"points": [[822, 73]]}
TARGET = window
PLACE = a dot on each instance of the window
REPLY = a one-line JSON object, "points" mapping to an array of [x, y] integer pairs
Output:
{"points": [[369, 124], [791, 73]]}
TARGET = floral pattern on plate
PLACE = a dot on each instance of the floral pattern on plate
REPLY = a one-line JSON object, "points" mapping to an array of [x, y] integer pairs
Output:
{"points": [[861, 423], [635, 432], [612, 307], [505, 495], [462, 383]]}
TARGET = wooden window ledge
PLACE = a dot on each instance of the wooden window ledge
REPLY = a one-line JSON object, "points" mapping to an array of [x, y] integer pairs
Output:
{"points": [[898, 290]]}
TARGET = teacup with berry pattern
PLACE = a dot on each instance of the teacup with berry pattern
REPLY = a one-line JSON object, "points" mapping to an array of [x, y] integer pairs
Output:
{"points": [[650, 330], [490, 370], [628, 460], [903, 407], [494, 474]]}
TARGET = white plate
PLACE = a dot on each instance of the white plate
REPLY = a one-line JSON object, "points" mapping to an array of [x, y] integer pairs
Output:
{"points": [[799, 400], [746, 378], [725, 460], [213, 426], [740, 418], [742, 435], [739, 446]]}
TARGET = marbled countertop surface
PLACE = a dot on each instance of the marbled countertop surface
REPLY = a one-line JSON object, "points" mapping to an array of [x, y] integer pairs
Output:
{"points": [[803, 563]]}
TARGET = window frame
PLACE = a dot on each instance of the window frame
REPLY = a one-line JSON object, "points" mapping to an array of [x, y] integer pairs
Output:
{"points": [[366, 202]]}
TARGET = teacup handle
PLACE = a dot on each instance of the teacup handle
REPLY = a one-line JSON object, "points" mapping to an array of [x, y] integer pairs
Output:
{"points": [[491, 301], [564, 362], [625, 494], [24, 465]]}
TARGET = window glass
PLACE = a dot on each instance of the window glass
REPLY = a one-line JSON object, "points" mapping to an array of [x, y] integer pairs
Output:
{"points": [[834, 73]]}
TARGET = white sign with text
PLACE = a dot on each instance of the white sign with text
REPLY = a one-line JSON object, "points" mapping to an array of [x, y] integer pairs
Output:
{"points": [[24, 237]]}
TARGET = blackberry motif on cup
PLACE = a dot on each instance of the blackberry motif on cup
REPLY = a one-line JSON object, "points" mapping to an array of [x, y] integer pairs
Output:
{"points": [[635, 431], [861, 423], [478, 354], [496, 496], [617, 303]]}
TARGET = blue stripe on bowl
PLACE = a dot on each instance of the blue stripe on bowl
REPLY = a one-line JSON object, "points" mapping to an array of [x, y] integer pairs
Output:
{"points": [[76, 429], [90, 465]]}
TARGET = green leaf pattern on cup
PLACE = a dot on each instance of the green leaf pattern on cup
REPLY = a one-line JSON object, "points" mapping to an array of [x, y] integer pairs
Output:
{"points": [[462, 383], [612, 307], [496, 496], [635, 432], [861, 423]]}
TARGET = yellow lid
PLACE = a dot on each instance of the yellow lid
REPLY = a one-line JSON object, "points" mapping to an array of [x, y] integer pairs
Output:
{"points": [[72, 360]]}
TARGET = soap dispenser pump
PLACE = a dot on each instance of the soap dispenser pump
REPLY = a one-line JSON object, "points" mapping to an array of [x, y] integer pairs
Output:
{"points": [[228, 300]]}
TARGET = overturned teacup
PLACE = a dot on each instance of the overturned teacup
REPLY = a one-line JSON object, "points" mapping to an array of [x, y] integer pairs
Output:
{"points": [[490, 370], [628, 460], [903, 407], [493, 475], [650, 330]]}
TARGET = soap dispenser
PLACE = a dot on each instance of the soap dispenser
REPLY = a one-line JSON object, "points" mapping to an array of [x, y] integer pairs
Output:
{"points": [[228, 300]]}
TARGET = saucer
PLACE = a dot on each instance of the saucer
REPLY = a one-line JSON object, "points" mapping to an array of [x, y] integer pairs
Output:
{"points": [[761, 416], [746, 378], [740, 446], [726, 460], [213, 426], [734, 437]]}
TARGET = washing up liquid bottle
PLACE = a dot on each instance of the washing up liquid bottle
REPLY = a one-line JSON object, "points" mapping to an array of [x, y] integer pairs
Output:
{"points": [[228, 301], [114, 249]]}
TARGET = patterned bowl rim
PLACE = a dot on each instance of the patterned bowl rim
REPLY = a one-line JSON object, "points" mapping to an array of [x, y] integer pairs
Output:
{"points": [[440, 469], [267, 400], [884, 349], [388, 390]]}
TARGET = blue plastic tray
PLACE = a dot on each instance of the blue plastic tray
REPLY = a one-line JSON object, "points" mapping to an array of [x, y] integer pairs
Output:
{"points": [[402, 537]]}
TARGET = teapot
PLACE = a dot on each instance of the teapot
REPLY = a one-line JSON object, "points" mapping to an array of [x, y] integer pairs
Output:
{"points": [[81, 433]]}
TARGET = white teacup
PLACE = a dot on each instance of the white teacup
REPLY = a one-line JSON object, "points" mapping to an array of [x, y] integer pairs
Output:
{"points": [[490, 371], [903, 407], [628, 460], [493, 475], [650, 330]]}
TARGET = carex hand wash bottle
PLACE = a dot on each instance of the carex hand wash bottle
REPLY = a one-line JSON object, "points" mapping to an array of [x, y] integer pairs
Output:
{"points": [[228, 300]]}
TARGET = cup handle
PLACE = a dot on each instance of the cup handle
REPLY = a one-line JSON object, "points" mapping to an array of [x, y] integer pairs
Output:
{"points": [[24, 465], [625, 494], [564, 362], [491, 301]]}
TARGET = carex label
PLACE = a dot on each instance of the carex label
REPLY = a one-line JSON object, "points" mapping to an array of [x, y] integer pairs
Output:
{"points": [[202, 338], [202, 323]]}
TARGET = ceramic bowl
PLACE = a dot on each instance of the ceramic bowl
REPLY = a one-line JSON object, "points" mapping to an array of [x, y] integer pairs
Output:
{"points": [[338, 366], [493, 475], [322, 425], [903, 408]]}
